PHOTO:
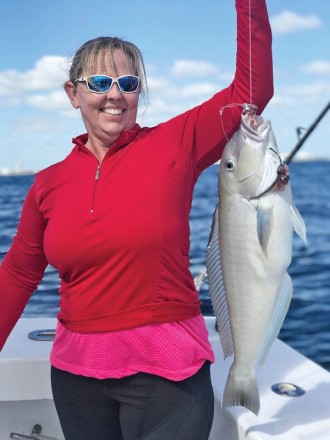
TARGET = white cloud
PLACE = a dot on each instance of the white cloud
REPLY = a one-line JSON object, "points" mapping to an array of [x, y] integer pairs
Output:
{"points": [[49, 101], [167, 100], [289, 22], [71, 113], [40, 87], [159, 110], [301, 96], [181, 89], [318, 67], [158, 84], [193, 68], [315, 90], [283, 101], [48, 73], [200, 90]]}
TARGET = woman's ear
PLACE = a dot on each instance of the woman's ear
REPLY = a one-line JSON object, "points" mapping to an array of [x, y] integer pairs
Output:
{"points": [[71, 91]]}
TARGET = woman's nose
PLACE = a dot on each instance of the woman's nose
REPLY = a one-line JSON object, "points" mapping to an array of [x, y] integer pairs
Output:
{"points": [[114, 92]]}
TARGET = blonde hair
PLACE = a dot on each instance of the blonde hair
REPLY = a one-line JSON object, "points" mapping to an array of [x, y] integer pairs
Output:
{"points": [[84, 59]]}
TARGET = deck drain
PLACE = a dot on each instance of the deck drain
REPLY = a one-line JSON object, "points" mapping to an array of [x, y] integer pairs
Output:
{"points": [[288, 389], [42, 335]]}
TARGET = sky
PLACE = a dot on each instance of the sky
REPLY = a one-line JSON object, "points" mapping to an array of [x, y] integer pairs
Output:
{"points": [[189, 49]]}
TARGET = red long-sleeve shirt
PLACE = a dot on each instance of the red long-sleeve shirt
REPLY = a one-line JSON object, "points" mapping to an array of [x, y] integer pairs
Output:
{"points": [[118, 233]]}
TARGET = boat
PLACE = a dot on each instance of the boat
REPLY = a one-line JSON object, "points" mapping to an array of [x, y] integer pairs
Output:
{"points": [[294, 391]]}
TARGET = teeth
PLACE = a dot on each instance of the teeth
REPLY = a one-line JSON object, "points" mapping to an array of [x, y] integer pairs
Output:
{"points": [[113, 111]]}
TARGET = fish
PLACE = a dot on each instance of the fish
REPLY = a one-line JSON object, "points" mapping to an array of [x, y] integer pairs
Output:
{"points": [[249, 252]]}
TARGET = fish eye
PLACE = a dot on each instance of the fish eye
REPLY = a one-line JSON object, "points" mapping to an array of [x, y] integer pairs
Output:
{"points": [[229, 165]]}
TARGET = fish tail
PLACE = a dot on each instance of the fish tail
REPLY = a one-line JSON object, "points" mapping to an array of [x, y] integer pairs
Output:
{"points": [[242, 391]]}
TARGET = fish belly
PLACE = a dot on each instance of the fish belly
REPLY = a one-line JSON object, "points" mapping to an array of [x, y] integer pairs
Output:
{"points": [[252, 278]]}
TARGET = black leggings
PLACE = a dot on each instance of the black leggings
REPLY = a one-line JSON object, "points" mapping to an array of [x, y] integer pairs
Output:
{"points": [[138, 407]]}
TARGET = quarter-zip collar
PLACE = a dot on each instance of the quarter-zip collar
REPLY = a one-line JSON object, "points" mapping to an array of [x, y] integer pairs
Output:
{"points": [[124, 138]]}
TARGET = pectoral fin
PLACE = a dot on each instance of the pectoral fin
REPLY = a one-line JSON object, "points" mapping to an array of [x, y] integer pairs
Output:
{"points": [[264, 224], [298, 223]]}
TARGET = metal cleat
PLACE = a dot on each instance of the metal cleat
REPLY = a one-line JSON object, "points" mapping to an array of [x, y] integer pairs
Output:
{"points": [[35, 435]]}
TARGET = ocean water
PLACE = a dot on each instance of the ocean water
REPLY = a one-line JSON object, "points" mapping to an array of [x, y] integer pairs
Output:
{"points": [[307, 324]]}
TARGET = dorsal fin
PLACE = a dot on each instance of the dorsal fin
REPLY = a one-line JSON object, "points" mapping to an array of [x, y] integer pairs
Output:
{"points": [[216, 287]]}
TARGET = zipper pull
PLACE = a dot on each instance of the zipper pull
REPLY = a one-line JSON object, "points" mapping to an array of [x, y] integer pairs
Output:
{"points": [[97, 174]]}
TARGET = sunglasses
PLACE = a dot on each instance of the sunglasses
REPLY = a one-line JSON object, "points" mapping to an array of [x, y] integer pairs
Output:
{"points": [[103, 83]]}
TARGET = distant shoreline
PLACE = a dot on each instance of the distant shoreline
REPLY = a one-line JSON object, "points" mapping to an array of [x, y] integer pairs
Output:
{"points": [[10, 173], [301, 157]]}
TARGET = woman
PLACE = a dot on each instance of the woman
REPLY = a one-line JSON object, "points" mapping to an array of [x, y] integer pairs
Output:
{"points": [[131, 358]]}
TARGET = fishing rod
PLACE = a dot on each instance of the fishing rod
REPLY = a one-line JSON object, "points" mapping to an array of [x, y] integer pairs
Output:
{"points": [[307, 133]]}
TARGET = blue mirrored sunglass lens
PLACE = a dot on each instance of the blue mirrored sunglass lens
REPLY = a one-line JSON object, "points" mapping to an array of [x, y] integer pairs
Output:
{"points": [[99, 83], [128, 83]]}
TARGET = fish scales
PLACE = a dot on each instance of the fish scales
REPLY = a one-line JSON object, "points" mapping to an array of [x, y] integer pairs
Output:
{"points": [[249, 251]]}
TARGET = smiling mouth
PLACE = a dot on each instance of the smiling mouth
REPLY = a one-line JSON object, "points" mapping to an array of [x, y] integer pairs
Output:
{"points": [[112, 111]]}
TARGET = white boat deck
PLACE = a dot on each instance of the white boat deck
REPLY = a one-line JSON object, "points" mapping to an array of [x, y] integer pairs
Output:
{"points": [[25, 393], [285, 418]]}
